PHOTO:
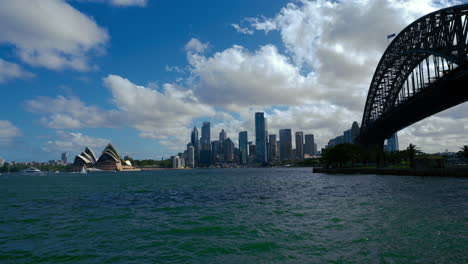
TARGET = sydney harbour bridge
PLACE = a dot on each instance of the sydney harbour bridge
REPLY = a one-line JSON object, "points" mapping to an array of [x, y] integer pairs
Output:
{"points": [[423, 72]]}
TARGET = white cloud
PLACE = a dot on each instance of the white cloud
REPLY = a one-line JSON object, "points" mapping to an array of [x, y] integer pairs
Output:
{"points": [[9, 71], [242, 30], [235, 77], [129, 2], [51, 33], [195, 45], [8, 131], [73, 142], [156, 114], [153, 113], [70, 113]]}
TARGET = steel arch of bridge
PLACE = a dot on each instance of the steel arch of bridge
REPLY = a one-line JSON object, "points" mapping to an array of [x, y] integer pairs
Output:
{"points": [[417, 64]]}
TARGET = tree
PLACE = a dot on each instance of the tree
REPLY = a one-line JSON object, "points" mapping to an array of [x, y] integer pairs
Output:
{"points": [[463, 153], [411, 152]]}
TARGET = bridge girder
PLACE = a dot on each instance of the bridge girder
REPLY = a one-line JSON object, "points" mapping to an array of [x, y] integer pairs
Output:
{"points": [[435, 44]]}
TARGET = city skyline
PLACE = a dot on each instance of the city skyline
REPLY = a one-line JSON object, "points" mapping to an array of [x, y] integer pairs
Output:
{"points": [[144, 85]]}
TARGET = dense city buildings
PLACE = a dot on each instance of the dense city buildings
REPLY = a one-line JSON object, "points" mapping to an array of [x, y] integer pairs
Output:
{"points": [[309, 145], [267, 149], [261, 138], [348, 136], [285, 138], [243, 147], [299, 145]]}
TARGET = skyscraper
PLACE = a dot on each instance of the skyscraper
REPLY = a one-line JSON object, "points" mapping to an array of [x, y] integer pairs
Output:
{"points": [[243, 147], [222, 136], [194, 140], [260, 138], [272, 148], [299, 145], [309, 145], [64, 158], [392, 143], [190, 156], [355, 131], [285, 144], [205, 142], [228, 150]]}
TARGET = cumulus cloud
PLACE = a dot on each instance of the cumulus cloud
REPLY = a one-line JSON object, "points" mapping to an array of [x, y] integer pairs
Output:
{"points": [[70, 113], [10, 71], [8, 131], [158, 114], [195, 45], [73, 142], [51, 33]]}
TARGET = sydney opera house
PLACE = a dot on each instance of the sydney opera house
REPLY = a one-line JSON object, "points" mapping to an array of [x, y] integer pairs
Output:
{"points": [[108, 161]]}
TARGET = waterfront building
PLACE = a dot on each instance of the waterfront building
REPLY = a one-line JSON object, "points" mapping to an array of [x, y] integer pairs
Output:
{"points": [[176, 164], [86, 159], [194, 140], [109, 160], [272, 148], [217, 151], [64, 158], [191, 156], [309, 145], [228, 150], [260, 138], [243, 147], [299, 145], [285, 138]]}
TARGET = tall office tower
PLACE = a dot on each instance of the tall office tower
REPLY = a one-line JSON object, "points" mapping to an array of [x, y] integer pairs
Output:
{"points": [[285, 137], [176, 162], [205, 142], [260, 138], [355, 131], [243, 147], [315, 149], [64, 158], [347, 136], [272, 148], [309, 145], [217, 151], [190, 156], [228, 150], [299, 145], [392, 143], [195, 141], [252, 152], [222, 135]]}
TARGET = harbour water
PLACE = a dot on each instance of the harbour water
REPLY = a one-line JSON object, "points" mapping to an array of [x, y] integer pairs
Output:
{"points": [[232, 216]]}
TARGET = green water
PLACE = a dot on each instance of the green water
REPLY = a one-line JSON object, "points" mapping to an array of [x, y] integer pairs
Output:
{"points": [[232, 216]]}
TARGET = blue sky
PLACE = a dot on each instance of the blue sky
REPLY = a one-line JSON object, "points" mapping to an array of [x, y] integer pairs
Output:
{"points": [[141, 74]]}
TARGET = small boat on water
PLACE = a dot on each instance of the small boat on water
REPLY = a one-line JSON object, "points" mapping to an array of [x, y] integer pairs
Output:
{"points": [[83, 170], [32, 170]]}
